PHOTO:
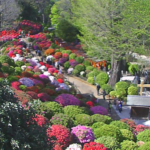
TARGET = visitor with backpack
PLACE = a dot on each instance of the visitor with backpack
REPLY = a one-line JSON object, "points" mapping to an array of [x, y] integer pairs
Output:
{"points": [[97, 88]]}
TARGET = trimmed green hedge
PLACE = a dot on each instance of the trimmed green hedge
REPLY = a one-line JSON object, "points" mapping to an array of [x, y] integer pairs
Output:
{"points": [[102, 78]]}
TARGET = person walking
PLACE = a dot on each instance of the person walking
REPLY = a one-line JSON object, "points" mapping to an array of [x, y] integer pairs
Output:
{"points": [[104, 94], [97, 88], [39, 52], [120, 107], [109, 106]]}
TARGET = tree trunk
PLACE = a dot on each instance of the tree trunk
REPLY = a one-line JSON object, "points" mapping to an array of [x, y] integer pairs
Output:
{"points": [[115, 73]]}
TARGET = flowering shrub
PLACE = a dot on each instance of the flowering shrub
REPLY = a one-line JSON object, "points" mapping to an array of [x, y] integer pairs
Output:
{"points": [[37, 82], [44, 97], [48, 91], [33, 88], [82, 134], [26, 81], [74, 147], [66, 52], [62, 135], [32, 94], [67, 99], [99, 110], [65, 55], [26, 74], [90, 104], [62, 61], [63, 120], [40, 120], [60, 81], [139, 128], [94, 146], [15, 85], [49, 52], [58, 55]]}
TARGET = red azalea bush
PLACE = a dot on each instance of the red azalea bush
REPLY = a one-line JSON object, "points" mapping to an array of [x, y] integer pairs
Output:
{"points": [[44, 97], [32, 94], [40, 120], [48, 91], [65, 55], [62, 135], [89, 103], [15, 85], [26, 74], [139, 128], [94, 146], [33, 88], [60, 80], [58, 55]]}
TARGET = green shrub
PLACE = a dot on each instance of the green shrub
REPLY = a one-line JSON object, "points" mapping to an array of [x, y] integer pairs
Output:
{"points": [[30, 39], [27, 64], [101, 118], [53, 45], [75, 72], [87, 63], [84, 119], [66, 51], [120, 125], [79, 59], [66, 65], [109, 142], [93, 73], [22, 87], [73, 110], [12, 78], [132, 90], [121, 93], [112, 93], [62, 119], [108, 130], [5, 69], [127, 135], [37, 73], [97, 125], [133, 68], [18, 70], [72, 56], [144, 136], [102, 78], [57, 50], [90, 68], [86, 109], [128, 145], [51, 108], [107, 88], [80, 67], [11, 70], [19, 63], [91, 80], [122, 85], [145, 146], [6, 59]]}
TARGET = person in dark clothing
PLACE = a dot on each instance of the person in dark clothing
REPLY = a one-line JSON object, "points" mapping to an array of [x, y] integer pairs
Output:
{"points": [[39, 52], [109, 106], [120, 107], [49, 61], [97, 88], [42, 59], [104, 93]]}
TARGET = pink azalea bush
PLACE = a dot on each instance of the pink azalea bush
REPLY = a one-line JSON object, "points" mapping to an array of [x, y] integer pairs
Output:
{"points": [[82, 134], [99, 110], [44, 97], [16, 85], [67, 99]]}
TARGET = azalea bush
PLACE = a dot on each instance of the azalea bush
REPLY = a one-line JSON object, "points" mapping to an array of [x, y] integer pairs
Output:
{"points": [[128, 145], [90, 68], [144, 136], [80, 67], [120, 125], [97, 125], [44, 97], [102, 78], [107, 88], [72, 56], [79, 59], [127, 135], [91, 80], [99, 110], [86, 63], [74, 146], [132, 90], [82, 134]]}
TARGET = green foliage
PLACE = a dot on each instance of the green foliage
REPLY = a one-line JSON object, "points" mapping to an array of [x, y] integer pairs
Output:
{"points": [[80, 68], [90, 80], [73, 110], [30, 39], [108, 130], [107, 88], [53, 45], [144, 136], [90, 68], [66, 65], [128, 145], [84, 119], [18, 70], [5, 69], [62, 119], [79, 59], [121, 93], [27, 64], [93, 73], [97, 125], [145, 146], [112, 93], [101, 118], [16, 128], [6, 59], [12, 78], [19, 63], [109, 142], [22, 87], [120, 125], [132, 90], [75, 72], [86, 63], [66, 51], [127, 135], [102, 78], [122, 85], [133, 68], [51, 108], [72, 56]]}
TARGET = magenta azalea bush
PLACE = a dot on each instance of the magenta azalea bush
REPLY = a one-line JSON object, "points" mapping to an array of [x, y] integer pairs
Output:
{"points": [[36, 82], [44, 97], [99, 110], [82, 134], [26, 81], [62, 60], [67, 99]]}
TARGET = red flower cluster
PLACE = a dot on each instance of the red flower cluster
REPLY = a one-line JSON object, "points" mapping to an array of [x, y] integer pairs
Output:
{"points": [[44, 97], [60, 80], [58, 55], [89, 103], [32, 94], [62, 135], [94, 146]]}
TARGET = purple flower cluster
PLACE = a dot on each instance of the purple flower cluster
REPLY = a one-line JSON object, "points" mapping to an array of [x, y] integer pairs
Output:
{"points": [[99, 110], [42, 76], [82, 134], [67, 99], [73, 63], [26, 81], [44, 97], [62, 60], [35, 81]]}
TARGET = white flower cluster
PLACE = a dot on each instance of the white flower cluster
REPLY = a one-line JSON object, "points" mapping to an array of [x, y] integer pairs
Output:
{"points": [[74, 147]]}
